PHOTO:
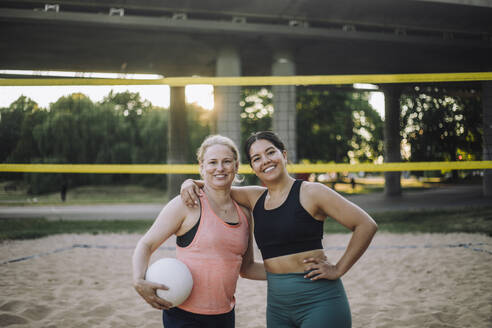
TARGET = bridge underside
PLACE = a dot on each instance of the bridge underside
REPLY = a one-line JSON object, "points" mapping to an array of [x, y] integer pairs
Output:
{"points": [[175, 38]]}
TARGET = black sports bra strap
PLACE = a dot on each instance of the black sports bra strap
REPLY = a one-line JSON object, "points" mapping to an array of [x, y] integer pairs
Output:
{"points": [[297, 186], [261, 200], [295, 192]]}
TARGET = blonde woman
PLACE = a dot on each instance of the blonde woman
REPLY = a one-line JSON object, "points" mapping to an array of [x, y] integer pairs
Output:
{"points": [[214, 239]]}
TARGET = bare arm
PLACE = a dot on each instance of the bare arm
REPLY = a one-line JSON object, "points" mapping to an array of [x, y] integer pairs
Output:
{"points": [[326, 202], [246, 196], [166, 224], [190, 189], [249, 268]]}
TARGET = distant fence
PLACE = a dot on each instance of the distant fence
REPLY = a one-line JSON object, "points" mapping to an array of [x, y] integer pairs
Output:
{"points": [[251, 81], [243, 169]]}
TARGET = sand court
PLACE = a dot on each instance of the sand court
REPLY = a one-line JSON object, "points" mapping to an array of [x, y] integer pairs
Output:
{"points": [[403, 280]]}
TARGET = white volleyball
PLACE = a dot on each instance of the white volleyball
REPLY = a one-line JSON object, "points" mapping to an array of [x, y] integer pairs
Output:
{"points": [[175, 275]]}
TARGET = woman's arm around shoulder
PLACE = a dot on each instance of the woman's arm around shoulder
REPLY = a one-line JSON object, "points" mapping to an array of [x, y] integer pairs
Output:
{"points": [[249, 268], [321, 202], [247, 195]]}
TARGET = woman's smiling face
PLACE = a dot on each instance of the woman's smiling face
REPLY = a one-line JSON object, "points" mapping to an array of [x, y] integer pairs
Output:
{"points": [[218, 167], [267, 161]]}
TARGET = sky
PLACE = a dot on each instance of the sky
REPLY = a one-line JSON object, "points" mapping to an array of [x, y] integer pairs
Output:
{"points": [[158, 95]]}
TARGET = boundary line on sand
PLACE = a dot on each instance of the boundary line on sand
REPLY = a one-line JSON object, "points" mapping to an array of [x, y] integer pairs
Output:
{"points": [[472, 246]]}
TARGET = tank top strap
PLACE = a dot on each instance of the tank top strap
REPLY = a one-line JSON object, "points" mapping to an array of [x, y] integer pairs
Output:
{"points": [[295, 193], [240, 213], [297, 186], [205, 205], [260, 203]]}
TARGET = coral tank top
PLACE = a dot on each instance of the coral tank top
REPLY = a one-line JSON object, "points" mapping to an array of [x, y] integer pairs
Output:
{"points": [[214, 258]]}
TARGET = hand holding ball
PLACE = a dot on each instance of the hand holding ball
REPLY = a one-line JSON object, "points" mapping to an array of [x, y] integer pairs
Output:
{"points": [[175, 275]]}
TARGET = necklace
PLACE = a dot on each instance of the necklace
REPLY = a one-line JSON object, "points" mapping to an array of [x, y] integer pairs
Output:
{"points": [[279, 199], [226, 212]]}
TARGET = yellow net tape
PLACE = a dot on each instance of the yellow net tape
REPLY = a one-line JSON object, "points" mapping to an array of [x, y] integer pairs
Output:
{"points": [[243, 169], [251, 81], [260, 80]]}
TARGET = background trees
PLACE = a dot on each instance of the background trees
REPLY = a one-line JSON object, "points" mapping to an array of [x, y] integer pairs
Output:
{"points": [[337, 125], [334, 125], [442, 124]]}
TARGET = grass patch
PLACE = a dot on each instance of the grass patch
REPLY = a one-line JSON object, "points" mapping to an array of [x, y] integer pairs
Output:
{"points": [[37, 228], [86, 195], [470, 220]]}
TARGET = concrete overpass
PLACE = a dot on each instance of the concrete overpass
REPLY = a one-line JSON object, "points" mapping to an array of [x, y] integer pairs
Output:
{"points": [[275, 37]]}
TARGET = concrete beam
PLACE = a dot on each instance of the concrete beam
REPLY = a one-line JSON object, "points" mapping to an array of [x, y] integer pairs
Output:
{"points": [[227, 98], [284, 102], [200, 26], [476, 3]]}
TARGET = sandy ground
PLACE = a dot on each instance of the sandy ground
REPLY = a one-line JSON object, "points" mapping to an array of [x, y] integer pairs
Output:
{"points": [[422, 280]]}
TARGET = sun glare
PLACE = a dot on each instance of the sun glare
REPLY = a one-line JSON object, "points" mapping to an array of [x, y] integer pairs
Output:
{"points": [[158, 95], [201, 94]]}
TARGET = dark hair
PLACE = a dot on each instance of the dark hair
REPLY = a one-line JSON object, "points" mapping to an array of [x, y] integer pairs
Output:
{"points": [[262, 135]]}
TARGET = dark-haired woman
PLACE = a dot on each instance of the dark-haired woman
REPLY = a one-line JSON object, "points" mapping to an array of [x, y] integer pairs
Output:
{"points": [[304, 288]]}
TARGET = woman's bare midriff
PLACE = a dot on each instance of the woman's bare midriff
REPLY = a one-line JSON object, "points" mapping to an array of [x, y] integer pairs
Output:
{"points": [[292, 263]]}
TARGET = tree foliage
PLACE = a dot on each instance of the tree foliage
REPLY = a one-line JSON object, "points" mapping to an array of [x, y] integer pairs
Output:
{"points": [[256, 111], [333, 125], [121, 129], [337, 126], [17, 142], [441, 124]]}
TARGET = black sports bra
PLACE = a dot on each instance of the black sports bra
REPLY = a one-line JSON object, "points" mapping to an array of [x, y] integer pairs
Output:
{"points": [[287, 229]]}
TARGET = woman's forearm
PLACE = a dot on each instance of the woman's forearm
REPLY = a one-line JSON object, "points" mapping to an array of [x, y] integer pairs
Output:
{"points": [[254, 271], [360, 240], [140, 261]]}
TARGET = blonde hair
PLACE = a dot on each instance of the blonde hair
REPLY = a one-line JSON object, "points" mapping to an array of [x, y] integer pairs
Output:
{"points": [[217, 139]]}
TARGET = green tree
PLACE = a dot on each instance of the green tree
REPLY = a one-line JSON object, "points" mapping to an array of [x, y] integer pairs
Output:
{"points": [[131, 108], [67, 132], [17, 122], [256, 111], [442, 124], [153, 129], [337, 125]]}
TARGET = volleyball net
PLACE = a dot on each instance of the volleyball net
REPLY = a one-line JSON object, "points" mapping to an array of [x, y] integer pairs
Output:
{"points": [[252, 81]]}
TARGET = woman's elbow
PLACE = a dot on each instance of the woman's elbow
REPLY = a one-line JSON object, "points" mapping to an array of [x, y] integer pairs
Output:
{"points": [[245, 271], [368, 225], [373, 226]]}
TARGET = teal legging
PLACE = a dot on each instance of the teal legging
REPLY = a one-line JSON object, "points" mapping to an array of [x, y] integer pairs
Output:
{"points": [[294, 301]]}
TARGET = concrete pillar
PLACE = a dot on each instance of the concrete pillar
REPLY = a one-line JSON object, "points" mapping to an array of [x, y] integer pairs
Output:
{"points": [[227, 109], [392, 138], [487, 135], [284, 103], [178, 138]]}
